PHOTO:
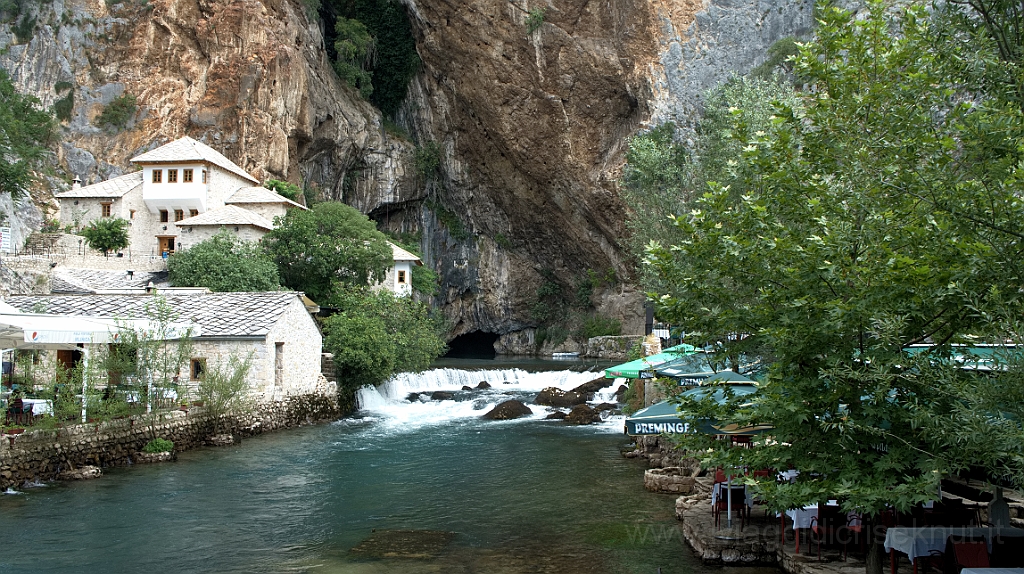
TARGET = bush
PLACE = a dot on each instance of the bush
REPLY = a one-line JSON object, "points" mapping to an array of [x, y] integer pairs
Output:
{"points": [[118, 113], [534, 20], [283, 188], [107, 234], [223, 263], [595, 326], [158, 445]]}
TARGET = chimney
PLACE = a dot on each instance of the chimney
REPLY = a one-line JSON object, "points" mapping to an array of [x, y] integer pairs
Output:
{"points": [[76, 183], [131, 274]]}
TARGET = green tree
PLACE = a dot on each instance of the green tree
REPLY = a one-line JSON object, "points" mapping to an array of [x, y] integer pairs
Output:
{"points": [[331, 245], [26, 132], [223, 390], [378, 334], [224, 263], [883, 212], [284, 188], [355, 50], [106, 234], [662, 176]]}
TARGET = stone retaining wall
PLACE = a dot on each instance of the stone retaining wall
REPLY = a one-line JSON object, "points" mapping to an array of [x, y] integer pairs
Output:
{"points": [[44, 454]]}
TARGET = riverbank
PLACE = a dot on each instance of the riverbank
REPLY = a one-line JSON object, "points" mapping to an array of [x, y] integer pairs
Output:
{"points": [[51, 454]]}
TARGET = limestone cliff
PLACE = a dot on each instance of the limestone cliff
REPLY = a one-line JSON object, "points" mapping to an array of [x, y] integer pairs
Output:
{"points": [[529, 102]]}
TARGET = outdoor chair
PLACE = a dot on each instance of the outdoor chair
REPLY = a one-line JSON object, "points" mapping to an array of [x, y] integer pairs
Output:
{"points": [[18, 413], [1007, 552], [829, 526], [961, 552], [739, 503]]}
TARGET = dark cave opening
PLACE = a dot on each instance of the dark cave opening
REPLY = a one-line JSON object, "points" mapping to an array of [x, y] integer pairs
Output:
{"points": [[475, 345]]}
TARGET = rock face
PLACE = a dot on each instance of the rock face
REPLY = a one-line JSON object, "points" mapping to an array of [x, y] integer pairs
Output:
{"points": [[668, 480], [532, 125], [511, 409]]}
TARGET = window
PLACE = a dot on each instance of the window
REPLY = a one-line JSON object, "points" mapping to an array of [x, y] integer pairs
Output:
{"points": [[279, 363], [193, 212], [158, 175], [172, 176], [204, 176], [105, 209], [197, 369], [131, 214], [179, 214], [401, 277], [163, 216], [186, 176]]}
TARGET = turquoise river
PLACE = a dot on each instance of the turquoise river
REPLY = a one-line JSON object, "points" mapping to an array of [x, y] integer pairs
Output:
{"points": [[529, 495]]}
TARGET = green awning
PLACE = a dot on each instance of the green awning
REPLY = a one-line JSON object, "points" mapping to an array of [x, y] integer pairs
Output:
{"points": [[686, 378], [663, 417], [644, 368]]}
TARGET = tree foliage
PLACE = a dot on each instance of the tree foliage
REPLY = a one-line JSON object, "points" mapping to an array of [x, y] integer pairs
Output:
{"points": [[224, 263], [355, 49], [663, 176], [882, 211], [284, 189], [26, 132], [106, 234], [377, 334], [332, 245]]}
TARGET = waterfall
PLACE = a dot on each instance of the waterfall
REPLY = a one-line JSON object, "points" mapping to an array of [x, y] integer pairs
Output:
{"points": [[454, 379], [393, 413]]}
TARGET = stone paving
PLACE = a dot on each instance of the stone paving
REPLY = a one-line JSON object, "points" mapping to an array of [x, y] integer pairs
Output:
{"points": [[757, 543]]}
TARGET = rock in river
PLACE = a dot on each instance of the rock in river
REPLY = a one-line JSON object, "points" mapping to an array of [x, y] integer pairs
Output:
{"points": [[583, 415], [442, 395], [555, 397], [510, 409], [483, 385]]}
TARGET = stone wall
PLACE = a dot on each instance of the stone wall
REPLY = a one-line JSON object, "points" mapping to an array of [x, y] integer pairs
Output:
{"points": [[44, 454], [611, 347]]}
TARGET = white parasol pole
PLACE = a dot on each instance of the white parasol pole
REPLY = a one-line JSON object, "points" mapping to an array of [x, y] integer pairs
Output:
{"points": [[728, 500], [85, 378]]}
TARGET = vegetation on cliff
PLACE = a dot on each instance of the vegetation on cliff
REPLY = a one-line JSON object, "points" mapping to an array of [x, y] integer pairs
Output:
{"points": [[375, 51], [26, 132], [880, 210]]}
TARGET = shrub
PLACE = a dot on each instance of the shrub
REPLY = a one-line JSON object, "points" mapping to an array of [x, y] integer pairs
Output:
{"points": [[118, 113], [534, 20], [63, 107], [283, 188], [107, 234], [158, 445]]}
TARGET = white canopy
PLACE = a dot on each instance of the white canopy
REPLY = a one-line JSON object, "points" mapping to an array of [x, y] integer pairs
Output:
{"points": [[39, 331]]}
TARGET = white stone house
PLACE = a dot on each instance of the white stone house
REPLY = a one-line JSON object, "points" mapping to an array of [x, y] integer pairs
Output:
{"points": [[176, 183], [399, 277], [275, 327], [185, 193]]}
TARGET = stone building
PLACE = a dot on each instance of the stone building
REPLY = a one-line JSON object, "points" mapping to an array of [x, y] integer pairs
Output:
{"points": [[181, 186], [399, 277], [275, 327]]}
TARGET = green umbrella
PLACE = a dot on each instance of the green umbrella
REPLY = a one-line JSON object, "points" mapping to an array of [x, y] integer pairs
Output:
{"points": [[644, 368]]}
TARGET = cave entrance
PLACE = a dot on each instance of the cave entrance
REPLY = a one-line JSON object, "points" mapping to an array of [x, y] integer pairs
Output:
{"points": [[475, 345]]}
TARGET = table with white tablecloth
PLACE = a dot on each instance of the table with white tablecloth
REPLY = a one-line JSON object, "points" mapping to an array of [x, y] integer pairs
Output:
{"points": [[39, 406], [720, 490], [917, 542], [992, 571]]}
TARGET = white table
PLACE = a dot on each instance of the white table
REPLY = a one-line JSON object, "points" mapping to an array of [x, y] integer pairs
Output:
{"points": [[992, 571], [720, 490], [39, 406], [916, 542]]}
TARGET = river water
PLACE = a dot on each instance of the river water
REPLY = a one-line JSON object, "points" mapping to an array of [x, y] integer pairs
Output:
{"points": [[528, 495]]}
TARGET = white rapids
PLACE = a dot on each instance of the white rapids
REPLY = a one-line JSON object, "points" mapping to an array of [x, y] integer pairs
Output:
{"points": [[390, 407]]}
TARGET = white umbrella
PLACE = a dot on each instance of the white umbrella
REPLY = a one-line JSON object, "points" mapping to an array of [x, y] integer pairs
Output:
{"points": [[39, 331]]}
